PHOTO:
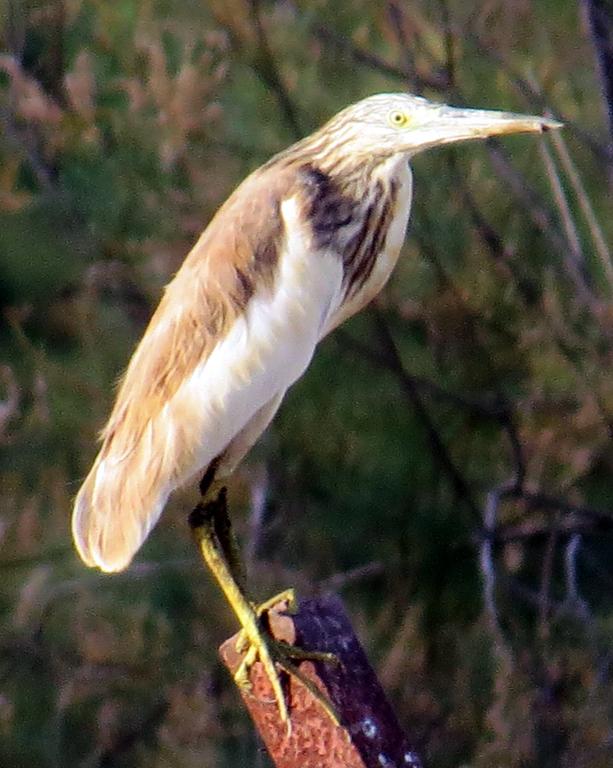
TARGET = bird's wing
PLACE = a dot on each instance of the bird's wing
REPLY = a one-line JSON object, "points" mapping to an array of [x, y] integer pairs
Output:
{"points": [[236, 327]]}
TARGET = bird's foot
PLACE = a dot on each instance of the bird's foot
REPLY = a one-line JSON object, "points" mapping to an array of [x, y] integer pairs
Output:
{"points": [[213, 535], [256, 642]]}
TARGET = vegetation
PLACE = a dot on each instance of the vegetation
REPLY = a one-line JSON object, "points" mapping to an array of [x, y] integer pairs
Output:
{"points": [[446, 461]]}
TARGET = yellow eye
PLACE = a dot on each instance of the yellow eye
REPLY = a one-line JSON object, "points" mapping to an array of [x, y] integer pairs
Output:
{"points": [[398, 119]]}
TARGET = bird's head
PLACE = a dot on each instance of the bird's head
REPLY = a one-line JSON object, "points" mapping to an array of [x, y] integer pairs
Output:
{"points": [[398, 123]]}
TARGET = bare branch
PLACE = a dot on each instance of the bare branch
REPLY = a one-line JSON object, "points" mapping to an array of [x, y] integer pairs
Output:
{"points": [[396, 17], [491, 407], [374, 62], [9, 407], [487, 406], [544, 607], [573, 601], [263, 63], [542, 219], [544, 501], [584, 203], [571, 518], [535, 97], [533, 533], [439, 450], [266, 67], [450, 42], [24, 141], [570, 229], [597, 15], [488, 574], [486, 558], [340, 581]]}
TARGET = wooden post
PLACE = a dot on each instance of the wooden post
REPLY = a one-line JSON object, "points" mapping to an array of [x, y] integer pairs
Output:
{"points": [[368, 736]]}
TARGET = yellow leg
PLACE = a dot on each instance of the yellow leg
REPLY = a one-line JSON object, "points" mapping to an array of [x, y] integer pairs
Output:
{"points": [[210, 526]]}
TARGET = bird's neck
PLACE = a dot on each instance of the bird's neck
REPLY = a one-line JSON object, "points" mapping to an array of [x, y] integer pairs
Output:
{"points": [[350, 212], [354, 176]]}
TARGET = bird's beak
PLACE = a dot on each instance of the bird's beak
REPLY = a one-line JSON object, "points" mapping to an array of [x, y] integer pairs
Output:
{"points": [[450, 124]]}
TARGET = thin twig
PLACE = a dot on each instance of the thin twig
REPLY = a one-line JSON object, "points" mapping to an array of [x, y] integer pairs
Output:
{"points": [[486, 558], [533, 533], [583, 519], [396, 17], [488, 574], [546, 578], [570, 567], [339, 581], [598, 20], [493, 407], [487, 406], [583, 199], [25, 142], [542, 219], [374, 62], [535, 98], [266, 67], [439, 450], [450, 42], [9, 407], [545, 501], [570, 229]]}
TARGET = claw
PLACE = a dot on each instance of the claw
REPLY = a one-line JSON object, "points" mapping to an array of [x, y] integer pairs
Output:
{"points": [[241, 676], [276, 655], [288, 596], [213, 535], [257, 645]]}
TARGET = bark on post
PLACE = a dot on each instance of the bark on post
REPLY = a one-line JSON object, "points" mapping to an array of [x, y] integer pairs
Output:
{"points": [[369, 735]]}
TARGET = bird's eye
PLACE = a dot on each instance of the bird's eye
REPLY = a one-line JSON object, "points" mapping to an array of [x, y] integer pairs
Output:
{"points": [[398, 119]]}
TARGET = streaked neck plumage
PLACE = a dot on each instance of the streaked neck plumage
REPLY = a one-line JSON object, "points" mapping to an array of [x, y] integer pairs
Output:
{"points": [[351, 213]]}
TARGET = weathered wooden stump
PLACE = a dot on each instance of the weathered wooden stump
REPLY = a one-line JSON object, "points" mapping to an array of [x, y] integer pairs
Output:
{"points": [[368, 736]]}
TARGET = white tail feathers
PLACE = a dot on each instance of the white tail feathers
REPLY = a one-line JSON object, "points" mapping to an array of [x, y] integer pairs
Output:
{"points": [[118, 504], [136, 470]]}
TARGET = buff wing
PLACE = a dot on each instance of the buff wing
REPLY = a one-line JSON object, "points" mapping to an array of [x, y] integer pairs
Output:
{"points": [[205, 372]]}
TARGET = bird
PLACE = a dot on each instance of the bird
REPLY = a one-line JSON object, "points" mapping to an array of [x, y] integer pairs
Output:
{"points": [[303, 243]]}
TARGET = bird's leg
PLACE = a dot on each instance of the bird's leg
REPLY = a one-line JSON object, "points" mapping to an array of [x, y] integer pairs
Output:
{"points": [[231, 550], [202, 523], [212, 531], [227, 539], [210, 488]]}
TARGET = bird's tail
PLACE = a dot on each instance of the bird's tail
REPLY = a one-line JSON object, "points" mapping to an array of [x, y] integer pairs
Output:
{"points": [[119, 503]]}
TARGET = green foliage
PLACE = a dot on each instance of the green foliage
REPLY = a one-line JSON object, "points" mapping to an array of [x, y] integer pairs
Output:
{"points": [[483, 375]]}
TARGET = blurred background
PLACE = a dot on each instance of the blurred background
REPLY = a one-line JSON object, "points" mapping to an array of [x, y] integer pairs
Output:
{"points": [[445, 464]]}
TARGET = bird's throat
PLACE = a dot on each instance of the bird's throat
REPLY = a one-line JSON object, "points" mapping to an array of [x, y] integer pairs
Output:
{"points": [[353, 220]]}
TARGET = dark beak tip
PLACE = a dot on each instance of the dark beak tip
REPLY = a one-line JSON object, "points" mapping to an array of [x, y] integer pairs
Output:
{"points": [[551, 125]]}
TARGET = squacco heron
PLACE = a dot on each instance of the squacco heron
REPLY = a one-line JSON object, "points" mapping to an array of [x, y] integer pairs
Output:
{"points": [[302, 244]]}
